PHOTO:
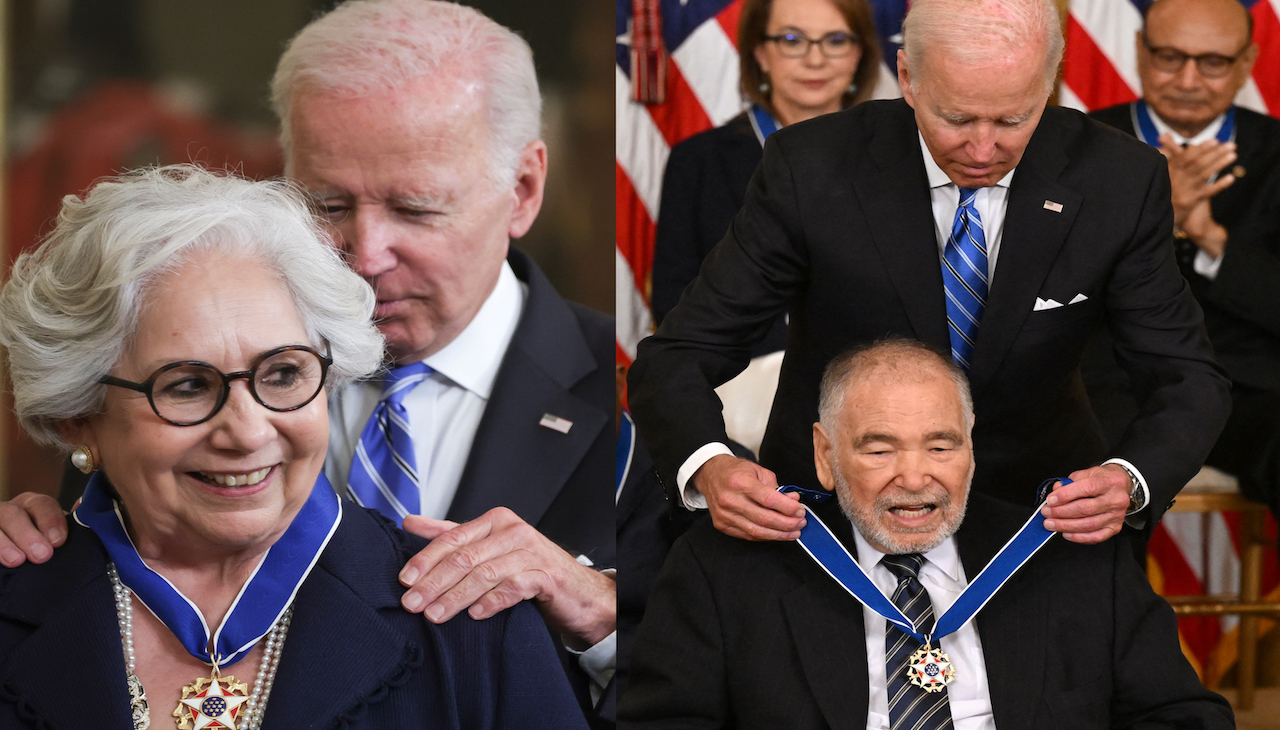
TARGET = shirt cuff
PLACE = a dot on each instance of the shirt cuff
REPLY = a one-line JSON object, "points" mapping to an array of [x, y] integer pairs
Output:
{"points": [[1135, 519], [599, 662], [689, 494], [1206, 265]]}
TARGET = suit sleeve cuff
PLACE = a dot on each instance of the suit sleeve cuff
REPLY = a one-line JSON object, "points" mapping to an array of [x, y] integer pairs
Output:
{"points": [[689, 494], [599, 663]]}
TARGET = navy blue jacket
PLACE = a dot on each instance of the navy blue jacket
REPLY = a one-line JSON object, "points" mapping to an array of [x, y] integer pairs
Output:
{"points": [[353, 657]]}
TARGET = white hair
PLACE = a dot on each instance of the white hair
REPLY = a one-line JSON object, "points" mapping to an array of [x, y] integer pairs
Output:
{"points": [[903, 358], [71, 306], [366, 46], [968, 31]]}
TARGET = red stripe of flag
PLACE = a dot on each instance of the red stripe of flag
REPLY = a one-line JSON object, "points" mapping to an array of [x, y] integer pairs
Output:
{"points": [[728, 19], [682, 114], [633, 228], [1266, 70], [1089, 72], [1200, 632]]}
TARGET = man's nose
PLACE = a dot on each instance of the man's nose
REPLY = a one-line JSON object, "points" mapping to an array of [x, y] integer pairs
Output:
{"points": [[1189, 77], [913, 470], [982, 144], [367, 236]]}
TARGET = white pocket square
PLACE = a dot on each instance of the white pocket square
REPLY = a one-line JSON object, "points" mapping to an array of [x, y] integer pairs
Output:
{"points": [[1079, 298], [1043, 304]]}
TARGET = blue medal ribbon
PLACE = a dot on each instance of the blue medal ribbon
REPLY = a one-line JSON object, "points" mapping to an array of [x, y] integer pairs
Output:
{"points": [[625, 450], [762, 122], [817, 540], [267, 593], [1146, 127]]}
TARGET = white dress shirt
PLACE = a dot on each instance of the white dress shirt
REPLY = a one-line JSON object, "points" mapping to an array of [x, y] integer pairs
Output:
{"points": [[991, 203], [1203, 264], [445, 409], [943, 577]]}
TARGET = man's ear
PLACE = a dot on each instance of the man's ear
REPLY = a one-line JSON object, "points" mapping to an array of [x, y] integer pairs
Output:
{"points": [[904, 79], [822, 457], [531, 181]]}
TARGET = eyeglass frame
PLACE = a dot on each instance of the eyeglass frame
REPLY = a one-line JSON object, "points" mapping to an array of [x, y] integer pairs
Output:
{"points": [[148, 385], [811, 42], [1231, 60]]}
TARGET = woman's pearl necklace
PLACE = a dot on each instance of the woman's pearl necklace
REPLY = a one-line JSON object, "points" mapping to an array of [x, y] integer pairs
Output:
{"points": [[251, 716]]}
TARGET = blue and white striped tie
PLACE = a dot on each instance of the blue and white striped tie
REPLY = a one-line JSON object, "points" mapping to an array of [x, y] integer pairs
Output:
{"points": [[384, 472], [910, 706], [964, 278]]}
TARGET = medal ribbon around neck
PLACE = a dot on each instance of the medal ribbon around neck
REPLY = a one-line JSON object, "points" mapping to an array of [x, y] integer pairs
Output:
{"points": [[1146, 128], [832, 557], [763, 124], [264, 597]]}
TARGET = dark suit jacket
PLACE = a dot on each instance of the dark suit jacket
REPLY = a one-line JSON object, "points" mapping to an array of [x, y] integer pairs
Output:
{"points": [[1242, 304], [560, 361], [353, 657], [702, 189], [837, 229], [756, 635]]}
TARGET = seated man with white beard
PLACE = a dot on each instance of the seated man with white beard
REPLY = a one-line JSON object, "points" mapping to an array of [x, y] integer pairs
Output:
{"points": [[796, 635]]}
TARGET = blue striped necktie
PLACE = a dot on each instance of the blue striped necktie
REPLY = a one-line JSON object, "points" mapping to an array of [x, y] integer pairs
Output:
{"points": [[964, 278], [384, 472], [910, 707]]}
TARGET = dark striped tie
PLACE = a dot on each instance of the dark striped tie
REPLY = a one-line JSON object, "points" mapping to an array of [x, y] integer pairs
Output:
{"points": [[910, 707], [964, 278], [384, 473]]}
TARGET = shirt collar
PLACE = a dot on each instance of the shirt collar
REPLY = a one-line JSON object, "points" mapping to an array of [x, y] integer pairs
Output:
{"points": [[938, 178], [473, 358], [944, 557], [1206, 134]]}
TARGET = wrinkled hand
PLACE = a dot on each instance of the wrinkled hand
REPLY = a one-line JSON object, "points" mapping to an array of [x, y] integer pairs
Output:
{"points": [[31, 526], [1091, 508], [744, 500], [1189, 171], [497, 560]]}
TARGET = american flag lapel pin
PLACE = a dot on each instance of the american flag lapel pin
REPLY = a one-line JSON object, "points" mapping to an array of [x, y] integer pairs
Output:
{"points": [[1055, 207], [555, 423]]}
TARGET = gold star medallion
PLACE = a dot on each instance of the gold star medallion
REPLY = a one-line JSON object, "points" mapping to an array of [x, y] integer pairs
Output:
{"points": [[211, 704], [930, 669]]}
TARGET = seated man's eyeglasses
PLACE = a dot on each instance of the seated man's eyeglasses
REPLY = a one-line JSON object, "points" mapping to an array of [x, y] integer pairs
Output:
{"points": [[1210, 65], [797, 45], [191, 392]]}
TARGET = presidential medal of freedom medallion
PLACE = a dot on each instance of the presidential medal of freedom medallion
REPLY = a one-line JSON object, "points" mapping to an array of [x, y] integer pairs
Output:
{"points": [[211, 704], [930, 669]]}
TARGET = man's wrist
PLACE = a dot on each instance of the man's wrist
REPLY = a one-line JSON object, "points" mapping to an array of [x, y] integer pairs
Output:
{"points": [[1138, 495], [689, 494]]}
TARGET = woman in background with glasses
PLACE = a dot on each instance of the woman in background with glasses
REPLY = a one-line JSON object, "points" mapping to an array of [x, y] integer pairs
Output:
{"points": [[177, 332], [798, 59]]}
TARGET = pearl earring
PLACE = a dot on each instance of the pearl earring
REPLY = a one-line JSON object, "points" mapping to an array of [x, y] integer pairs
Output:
{"points": [[853, 87], [82, 459]]}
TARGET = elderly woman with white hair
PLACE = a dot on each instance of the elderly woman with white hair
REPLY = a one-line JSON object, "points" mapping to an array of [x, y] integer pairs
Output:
{"points": [[177, 332]]}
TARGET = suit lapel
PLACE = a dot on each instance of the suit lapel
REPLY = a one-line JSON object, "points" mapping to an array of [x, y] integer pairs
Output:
{"points": [[334, 628], [1033, 235], [85, 637], [826, 625], [548, 355], [894, 195], [1010, 626]]}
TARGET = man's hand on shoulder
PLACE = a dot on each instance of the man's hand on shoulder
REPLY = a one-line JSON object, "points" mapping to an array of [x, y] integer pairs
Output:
{"points": [[31, 526], [497, 560], [744, 502], [1092, 507]]}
